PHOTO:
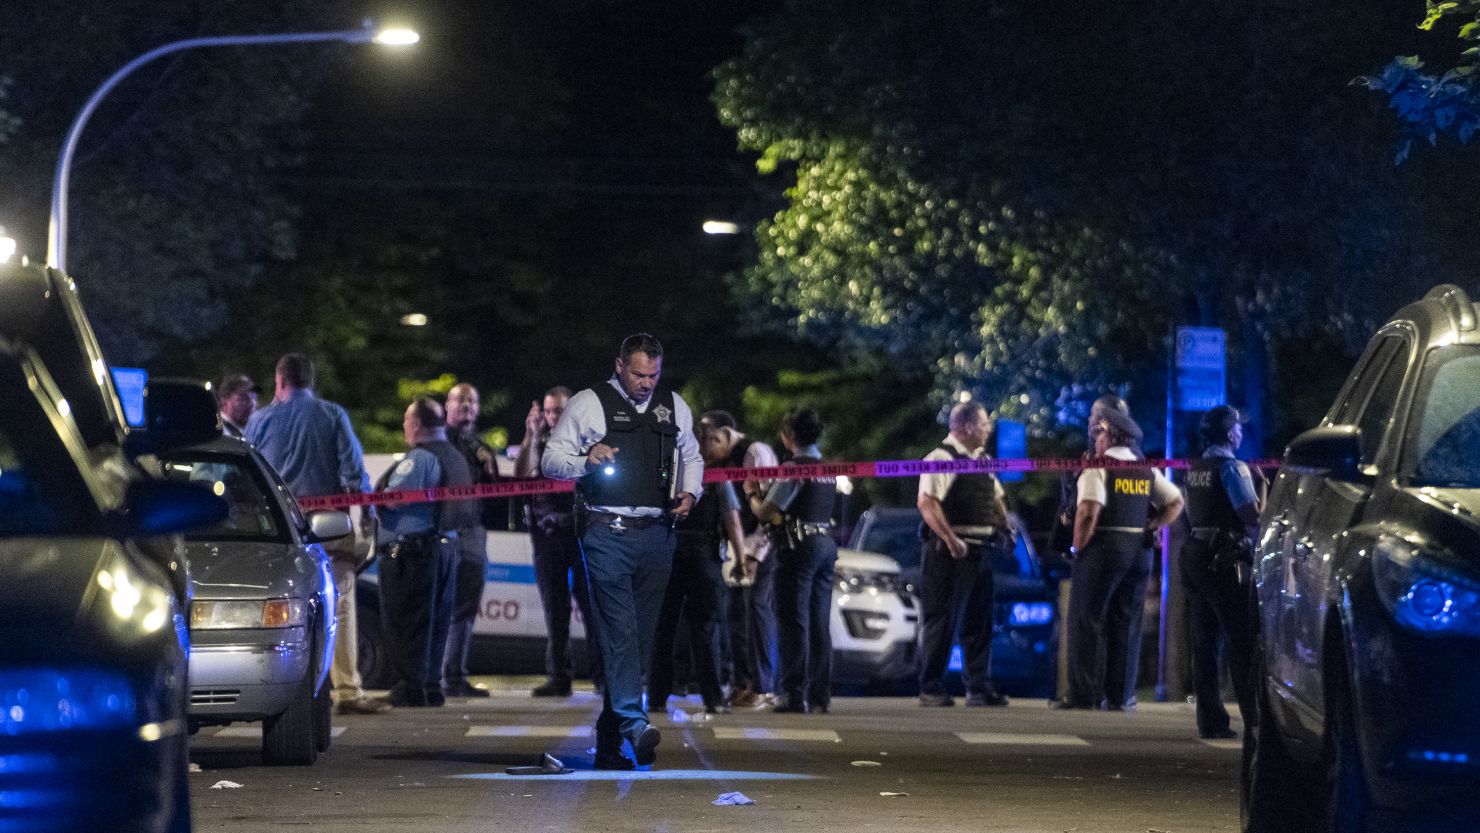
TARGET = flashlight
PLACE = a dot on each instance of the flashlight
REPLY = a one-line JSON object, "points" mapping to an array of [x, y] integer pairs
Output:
{"points": [[609, 470]]}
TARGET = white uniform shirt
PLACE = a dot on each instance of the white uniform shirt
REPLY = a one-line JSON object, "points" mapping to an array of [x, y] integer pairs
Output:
{"points": [[583, 425], [938, 484]]}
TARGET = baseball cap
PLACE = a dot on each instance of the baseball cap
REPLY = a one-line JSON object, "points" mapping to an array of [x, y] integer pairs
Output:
{"points": [[1219, 420]]}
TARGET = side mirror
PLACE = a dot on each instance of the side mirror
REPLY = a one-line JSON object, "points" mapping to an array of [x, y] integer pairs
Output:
{"points": [[161, 507], [1335, 451], [328, 526], [177, 413]]}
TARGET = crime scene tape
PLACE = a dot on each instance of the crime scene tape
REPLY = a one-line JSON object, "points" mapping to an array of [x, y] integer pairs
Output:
{"points": [[877, 468]]}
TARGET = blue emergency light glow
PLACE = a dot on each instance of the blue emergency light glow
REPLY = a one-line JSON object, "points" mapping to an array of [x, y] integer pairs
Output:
{"points": [[1031, 613], [36, 700]]}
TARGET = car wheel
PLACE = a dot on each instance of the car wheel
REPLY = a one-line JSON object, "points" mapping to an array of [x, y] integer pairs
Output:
{"points": [[374, 661], [1349, 806], [288, 738], [323, 721], [1280, 795]]}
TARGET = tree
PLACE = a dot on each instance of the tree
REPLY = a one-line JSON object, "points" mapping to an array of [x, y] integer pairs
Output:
{"points": [[177, 192], [1431, 104], [1024, 198]]}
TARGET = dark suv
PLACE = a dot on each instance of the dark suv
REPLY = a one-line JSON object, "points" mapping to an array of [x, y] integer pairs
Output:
{"points": [[1367, 578]]}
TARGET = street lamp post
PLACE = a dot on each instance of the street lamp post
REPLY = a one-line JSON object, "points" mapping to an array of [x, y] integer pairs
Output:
{"points": [[56, 252]]}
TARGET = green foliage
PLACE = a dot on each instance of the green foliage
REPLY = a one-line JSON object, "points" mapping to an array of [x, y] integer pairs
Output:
{"points": [[1444, 101]]}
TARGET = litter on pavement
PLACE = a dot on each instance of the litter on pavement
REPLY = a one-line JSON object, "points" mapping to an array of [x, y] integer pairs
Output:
{"points": [[732, 799], [866, 763], [548, 765], [226, 785]]}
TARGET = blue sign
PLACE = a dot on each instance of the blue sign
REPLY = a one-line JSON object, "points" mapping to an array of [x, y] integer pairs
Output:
{"points": [[1202, 365], [1012, 444], [130, 382]]}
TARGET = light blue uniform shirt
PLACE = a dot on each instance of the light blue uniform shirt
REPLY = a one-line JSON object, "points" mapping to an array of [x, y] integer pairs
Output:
{"points": [[419, 469], [311, 444], [784, 492]]}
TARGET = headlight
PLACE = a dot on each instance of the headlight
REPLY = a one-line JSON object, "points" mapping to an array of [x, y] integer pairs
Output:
{"points": [[272, 613], [1025, 614], [863, 581], [1423, 593], [132, 603], [34, 700]]}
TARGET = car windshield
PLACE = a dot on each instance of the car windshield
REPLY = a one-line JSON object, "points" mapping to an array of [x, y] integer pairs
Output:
{"points": [[1445, 447], [252, 514], [897, 536], [42, 490]]}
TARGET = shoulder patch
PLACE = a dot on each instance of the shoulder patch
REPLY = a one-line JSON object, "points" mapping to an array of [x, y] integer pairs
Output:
{"points": [[404, 467]]}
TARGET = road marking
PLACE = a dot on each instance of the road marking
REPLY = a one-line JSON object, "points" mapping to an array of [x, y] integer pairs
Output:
{"points": [[255, 732], [743, 733], [1021, 739], [1231, 743], [653, 775], [529, 732]]}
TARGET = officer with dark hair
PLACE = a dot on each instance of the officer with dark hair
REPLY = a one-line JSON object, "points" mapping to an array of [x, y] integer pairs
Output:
{"points": [[1111, 562], [559, 573], [418, 552], [751, 573], [804, 568], [966, 517], [1223, 506], [630, 446]]}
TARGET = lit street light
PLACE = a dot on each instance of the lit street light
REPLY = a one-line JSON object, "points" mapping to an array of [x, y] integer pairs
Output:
{"points": [[7, 246], [414, 319], [720, 227], [56, 251]]}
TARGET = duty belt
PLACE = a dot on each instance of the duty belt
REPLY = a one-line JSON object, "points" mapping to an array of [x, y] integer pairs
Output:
{"points": [[1134, 530], [620, 523], [804, 529]]}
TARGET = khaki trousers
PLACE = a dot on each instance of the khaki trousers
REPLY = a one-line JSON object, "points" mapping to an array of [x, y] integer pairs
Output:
{"points": [[344, 673]]}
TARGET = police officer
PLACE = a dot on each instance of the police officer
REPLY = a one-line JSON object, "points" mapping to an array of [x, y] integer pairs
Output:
{"points": [[1223, 506], [804, 569], [418, 552], [751, 571], [966, 519], [472, 541], [559, 574], [1111, 561], [695, 595], [630, 446]]}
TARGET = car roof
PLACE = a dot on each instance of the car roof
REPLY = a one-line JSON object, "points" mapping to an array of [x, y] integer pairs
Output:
{"points": [[1444, 316]]}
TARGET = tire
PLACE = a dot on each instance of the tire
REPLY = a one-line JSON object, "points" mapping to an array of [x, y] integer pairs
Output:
{"points": [[374, 660], [288, 738], [1349, 804], [323, 716], [1280, 795]]}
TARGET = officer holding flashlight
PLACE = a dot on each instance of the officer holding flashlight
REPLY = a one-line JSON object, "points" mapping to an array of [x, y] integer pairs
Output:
{"points": [[630, 445]]}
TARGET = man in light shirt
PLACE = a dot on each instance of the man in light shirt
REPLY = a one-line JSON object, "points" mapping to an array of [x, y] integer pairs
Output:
{"points": [[630, 445]]}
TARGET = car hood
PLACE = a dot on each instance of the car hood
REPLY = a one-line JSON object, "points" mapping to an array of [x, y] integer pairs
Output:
{"points": [[868, 561], [1464, 502], [238, 569], [48, 578]]}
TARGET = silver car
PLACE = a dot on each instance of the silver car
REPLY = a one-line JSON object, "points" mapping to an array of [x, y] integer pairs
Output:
{"points": [[262, 622]]}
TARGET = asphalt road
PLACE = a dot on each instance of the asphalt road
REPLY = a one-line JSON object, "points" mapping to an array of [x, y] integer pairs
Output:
{"points": [[873, 764]]}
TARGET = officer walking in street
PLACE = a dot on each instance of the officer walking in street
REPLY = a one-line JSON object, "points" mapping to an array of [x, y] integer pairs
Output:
{"points": [[559, 573], [418, 552], [1223, 506], [804, 568], [967, 523], [1111, 561], [472, 541], [310, 443], [630, 445], [751, 579]]}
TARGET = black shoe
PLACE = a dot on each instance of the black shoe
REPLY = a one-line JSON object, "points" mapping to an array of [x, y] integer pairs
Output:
{"points": [[552, 688], [435, 699], [990, 697], [790, 707], [1218, 734], [403, 696], [931, 700], [817, 708], [645, 745], [614, 760], [464, 689], [1068, 704]]}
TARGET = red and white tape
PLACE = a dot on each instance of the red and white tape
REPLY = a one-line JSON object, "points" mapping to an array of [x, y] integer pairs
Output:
{"points": [[878, 468]]}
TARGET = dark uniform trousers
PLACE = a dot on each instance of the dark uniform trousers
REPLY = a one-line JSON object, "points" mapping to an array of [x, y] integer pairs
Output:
{"points": [[628, 575], [1107, 589], [560, 576], [956, 596], [804, 585], [751, 621], [694, 599], [467, 594], [1217, 605], [416, 577]]}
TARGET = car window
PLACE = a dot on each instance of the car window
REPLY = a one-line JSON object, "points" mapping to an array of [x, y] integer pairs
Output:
{"points": [[1357, 393], [252, 513], [1446, 446], [1378, 412], [896, 536], [42, 489]]}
